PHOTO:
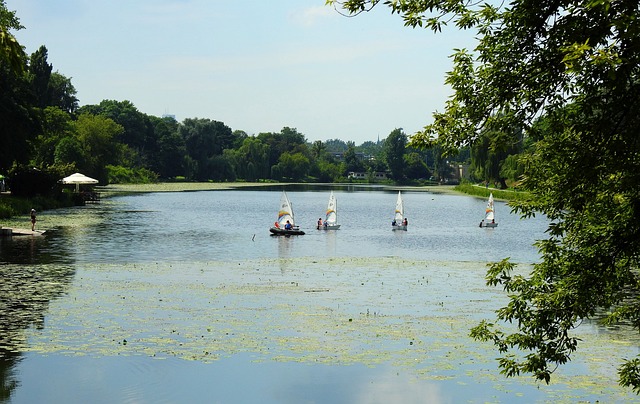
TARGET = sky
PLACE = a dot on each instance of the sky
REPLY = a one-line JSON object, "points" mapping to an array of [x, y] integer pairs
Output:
{"points": [[255, 65]]}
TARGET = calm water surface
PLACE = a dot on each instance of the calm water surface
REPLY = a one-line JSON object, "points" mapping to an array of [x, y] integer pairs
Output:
{"points": [[185, 297]]}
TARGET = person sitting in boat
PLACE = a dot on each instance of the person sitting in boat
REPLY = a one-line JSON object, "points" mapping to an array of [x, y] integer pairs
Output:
{"points": [[325, 224], [276, 225], [319, 223], [288, 226], [405, 222], [394, 223], [481, 223]]}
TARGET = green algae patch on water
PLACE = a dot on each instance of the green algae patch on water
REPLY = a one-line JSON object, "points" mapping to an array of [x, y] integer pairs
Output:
{"points": [[413, 315]]}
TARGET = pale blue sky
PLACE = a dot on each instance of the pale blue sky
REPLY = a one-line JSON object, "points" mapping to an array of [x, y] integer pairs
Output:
{"points": [[255, 65]]}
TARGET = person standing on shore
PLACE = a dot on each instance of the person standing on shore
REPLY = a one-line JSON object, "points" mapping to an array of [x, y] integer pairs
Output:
{"points": [[33, 219]]}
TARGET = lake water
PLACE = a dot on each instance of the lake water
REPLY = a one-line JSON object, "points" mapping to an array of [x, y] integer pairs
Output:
{"points": [[185, 297]]}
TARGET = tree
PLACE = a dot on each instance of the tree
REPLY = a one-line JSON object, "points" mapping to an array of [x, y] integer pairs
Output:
{"points": [[169, 158], [488, 155], [351, 160], [96, 135], [394, 149], [415, 167], [288, 140], [576, 63], [69, 151], [138, 131], [62, 93], [318, 149], [253, 160], [205, 139], [56, 125], [39, 76], [371, 148], [293, 166], [19, 123]]}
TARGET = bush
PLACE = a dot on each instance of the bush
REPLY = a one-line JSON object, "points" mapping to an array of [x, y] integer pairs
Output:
{"points": [[126, 175]]}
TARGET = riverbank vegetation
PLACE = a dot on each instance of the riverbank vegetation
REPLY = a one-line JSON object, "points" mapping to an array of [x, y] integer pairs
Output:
{"points": [[504, 194], [11, 206]]}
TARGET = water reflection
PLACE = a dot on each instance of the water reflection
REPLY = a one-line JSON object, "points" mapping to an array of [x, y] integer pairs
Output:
{"points": [[33, 272], [8, 379], [285, 244]]}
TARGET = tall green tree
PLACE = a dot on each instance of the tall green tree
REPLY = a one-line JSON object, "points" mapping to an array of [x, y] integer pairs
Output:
{"points": [[39, 76], [351, 160], [575, 62], [12, 54], [253, 160], [205, 139], [96, 134], [62, 93], [138, 131], [488, 155], [168, 161], [415, 166], [17, 116], [293, 166], [287, 140], [56, 125], [394, 150]]}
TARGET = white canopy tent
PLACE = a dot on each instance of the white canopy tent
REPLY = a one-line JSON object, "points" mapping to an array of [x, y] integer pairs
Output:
{"points": [[78, 179]]}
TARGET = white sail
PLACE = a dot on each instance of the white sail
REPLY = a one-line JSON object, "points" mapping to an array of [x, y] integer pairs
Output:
{"points": [[332, 210], [489, 214], [331, 218], [286, 211], [399, 215], [489, 211]]}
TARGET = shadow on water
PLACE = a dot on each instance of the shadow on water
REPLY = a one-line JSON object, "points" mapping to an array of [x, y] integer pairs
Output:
{"points": [[34, 271]]}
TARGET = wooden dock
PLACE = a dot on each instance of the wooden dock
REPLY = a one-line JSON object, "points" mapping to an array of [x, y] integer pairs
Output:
{"points": [[10, 232]]}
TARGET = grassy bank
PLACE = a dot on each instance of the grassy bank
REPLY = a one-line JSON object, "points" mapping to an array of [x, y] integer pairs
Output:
{"points": [[509, 195], [11, 206]]}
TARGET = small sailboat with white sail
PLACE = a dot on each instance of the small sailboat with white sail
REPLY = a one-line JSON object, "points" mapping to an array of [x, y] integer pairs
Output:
{"points": [[489, 215], [331, 219], [399, 220], [285, 225]]}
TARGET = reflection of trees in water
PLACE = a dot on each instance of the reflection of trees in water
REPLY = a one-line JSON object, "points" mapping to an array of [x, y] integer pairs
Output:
{"points": [[8, 380], [33, 271], [35, 250]]}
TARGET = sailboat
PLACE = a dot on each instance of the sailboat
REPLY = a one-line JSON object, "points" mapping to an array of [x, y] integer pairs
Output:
{"points": [[399, 221], [285, 225], [490, 214], [331, 219]]}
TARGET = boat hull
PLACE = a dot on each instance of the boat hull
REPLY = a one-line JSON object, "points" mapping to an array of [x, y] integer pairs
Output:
{"points": [[329, 227], [491, 225], [282, 232], [401, 227]]}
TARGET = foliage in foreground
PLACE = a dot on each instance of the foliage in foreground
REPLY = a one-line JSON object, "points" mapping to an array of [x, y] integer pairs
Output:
{"points": [[574, 63]]}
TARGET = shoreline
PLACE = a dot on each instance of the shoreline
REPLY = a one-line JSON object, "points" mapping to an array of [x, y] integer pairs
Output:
{"points": [[223, 186]]}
